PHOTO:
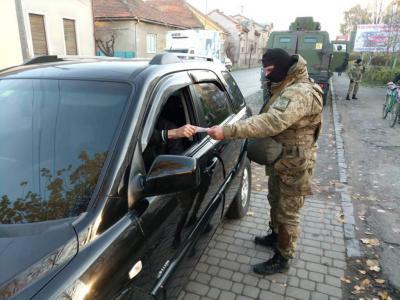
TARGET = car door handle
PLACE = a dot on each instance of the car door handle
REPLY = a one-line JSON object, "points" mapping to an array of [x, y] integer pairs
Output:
{"points": [[211, 165]]}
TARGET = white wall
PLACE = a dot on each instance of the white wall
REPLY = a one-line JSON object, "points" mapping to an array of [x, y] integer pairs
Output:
{"points": [[230, 27], [54, 11], [124, 32], [10, 49]]}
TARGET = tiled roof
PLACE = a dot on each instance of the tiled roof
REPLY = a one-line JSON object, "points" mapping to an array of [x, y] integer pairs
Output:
{"points": [[124, 9], [132, 9], [177, 10], [230, 18]]}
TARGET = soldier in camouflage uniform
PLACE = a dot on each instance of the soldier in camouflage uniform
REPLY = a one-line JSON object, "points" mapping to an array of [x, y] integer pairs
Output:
{"points": [[355, 75], [293, 118]]}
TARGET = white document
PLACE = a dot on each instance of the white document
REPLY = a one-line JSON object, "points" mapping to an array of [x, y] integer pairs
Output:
{"points": [[201, 129]]}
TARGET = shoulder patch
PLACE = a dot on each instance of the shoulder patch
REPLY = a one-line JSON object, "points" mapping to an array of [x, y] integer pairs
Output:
{"points": [[281, 104]]}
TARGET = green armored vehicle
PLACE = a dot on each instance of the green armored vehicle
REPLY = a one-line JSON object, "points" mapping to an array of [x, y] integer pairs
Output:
{"points": [[305, 37]]}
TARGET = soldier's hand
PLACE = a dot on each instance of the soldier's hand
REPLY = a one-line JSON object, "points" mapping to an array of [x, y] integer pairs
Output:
{"points": [[216, 132]]}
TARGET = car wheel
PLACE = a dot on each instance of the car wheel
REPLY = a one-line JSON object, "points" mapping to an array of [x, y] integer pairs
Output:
{"points": [[394, 114], [241, 202], [326, 97], [385, 105]]}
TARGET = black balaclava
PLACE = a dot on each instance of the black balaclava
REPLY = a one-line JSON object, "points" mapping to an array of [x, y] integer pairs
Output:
{"points": [[358, 61], [281, 60]]}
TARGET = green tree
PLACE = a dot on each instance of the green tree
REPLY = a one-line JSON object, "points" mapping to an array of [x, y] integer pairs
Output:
{"points": [[353, 17]]}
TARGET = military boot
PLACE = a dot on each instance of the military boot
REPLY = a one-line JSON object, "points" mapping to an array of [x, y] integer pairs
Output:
{"points": [[277, 264], [269, 240], [354, 97], [347, 97]]}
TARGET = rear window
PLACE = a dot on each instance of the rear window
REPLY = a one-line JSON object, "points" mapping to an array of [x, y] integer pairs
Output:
{"points": [[284, 40], [310, 40], [54, 136], [312, 43]]}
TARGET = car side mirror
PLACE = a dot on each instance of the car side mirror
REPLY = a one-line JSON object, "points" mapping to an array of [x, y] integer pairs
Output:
{"points": [[171, 174]]}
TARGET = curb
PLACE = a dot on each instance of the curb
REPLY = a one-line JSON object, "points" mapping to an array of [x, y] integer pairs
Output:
{"points": [[352, 244]]}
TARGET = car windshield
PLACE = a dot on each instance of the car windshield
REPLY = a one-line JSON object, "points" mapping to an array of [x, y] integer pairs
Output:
{"points": [[54, 137], [177, 50]]}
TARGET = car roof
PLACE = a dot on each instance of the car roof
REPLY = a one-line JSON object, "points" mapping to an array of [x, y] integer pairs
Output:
{"points": [[100, 69], [91, 69]]}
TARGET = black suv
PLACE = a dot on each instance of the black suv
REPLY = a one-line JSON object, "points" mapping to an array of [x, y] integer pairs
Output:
{"points": [[89, 208]]}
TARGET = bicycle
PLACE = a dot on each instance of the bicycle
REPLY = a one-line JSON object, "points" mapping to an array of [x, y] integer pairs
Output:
{"points": [[390, 99], [395, 111]]}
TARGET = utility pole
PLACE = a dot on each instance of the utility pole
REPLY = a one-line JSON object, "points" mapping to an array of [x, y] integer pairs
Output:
{"points": [[21, 29], [240, 35], [205, 13]]}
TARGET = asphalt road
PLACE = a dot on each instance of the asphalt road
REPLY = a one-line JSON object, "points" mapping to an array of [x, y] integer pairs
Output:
{"points": [[373, 158], [248, 80]]}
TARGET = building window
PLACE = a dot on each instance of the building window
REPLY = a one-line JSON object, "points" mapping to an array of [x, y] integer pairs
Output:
{"points": [[151, 40], [38, 32], [70, 37]]}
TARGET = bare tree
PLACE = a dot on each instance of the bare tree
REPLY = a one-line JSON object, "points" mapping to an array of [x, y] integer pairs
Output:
{"points": [[230, 49], [106, 46], [392, 19], [251, 51], [376, 12]]}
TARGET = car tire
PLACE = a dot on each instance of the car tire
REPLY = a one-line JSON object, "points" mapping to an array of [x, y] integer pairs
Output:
{"points": [[395, 114], [326, 96], [384, 109], [241, 202]]}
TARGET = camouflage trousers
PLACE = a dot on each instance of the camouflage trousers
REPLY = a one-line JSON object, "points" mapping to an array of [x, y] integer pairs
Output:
{"points": [[286, 193], [353, 88]]}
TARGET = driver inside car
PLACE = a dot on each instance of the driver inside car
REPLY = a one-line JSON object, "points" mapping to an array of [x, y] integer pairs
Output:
{"points": [[167, 137]]}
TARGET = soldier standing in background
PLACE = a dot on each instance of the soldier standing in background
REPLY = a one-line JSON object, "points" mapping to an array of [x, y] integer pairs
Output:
{"points": [[293, 118], [355, 75]]}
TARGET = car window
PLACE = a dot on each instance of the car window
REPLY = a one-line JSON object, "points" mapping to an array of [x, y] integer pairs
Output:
{"points": [[285, 40], [234, 90], [312, 43], [174, 113], [213, 102], [55, 136]]}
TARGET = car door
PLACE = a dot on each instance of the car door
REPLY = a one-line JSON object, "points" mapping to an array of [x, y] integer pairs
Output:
{"points": [[340, 56], [173, 223], [236, 151], [218, 109], [314, 47]]}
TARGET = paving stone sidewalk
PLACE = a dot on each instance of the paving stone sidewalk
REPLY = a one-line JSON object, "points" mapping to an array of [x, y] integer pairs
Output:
{"points": [[225, 268]]}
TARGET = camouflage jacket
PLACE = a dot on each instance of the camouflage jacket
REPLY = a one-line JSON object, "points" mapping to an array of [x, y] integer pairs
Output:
{"points": [[295, 103], [356, 72]]}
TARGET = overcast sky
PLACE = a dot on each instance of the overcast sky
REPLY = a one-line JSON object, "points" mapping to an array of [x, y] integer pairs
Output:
{"points": [[282, 12]]}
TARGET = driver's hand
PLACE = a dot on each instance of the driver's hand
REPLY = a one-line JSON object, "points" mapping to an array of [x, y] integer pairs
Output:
{"points": [[181, 132]]}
